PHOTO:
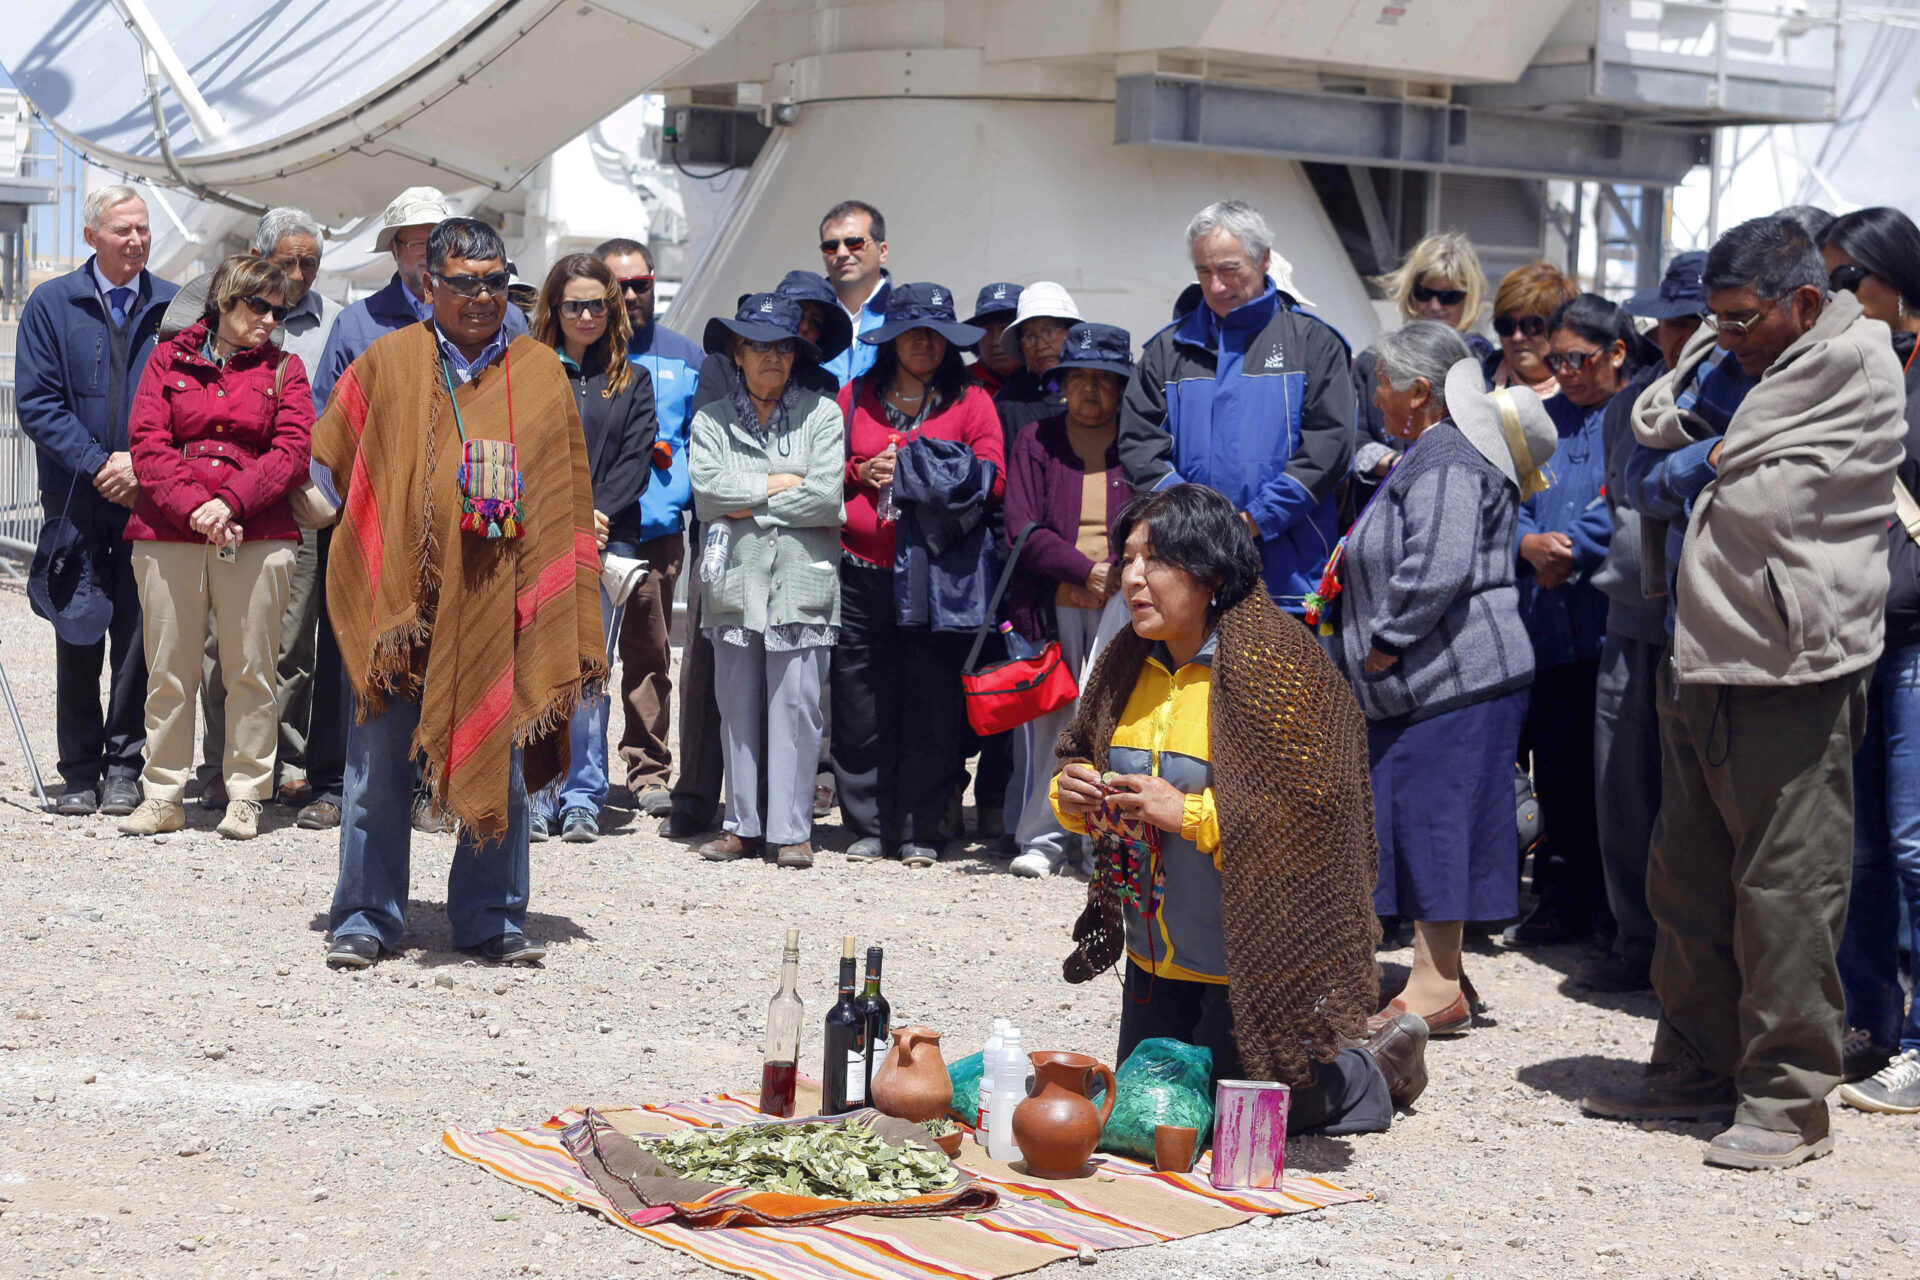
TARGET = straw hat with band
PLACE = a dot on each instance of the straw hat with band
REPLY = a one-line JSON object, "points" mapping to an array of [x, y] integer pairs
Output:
{"points": [[922, 306], [1041, 298], [763, 317], [1509, 427]]}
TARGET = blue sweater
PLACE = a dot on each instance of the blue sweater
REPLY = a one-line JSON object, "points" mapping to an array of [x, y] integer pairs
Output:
{"points": [[673, 362], [1569, 623]]}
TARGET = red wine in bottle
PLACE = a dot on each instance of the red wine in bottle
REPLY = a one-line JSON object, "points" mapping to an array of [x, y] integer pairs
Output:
{"points": [[876, 1015], [841, 1089], [779, 1081], [779, 1070]]}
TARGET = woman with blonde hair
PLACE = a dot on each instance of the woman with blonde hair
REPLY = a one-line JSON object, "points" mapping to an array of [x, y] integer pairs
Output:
{"points": [[1440, 279]]}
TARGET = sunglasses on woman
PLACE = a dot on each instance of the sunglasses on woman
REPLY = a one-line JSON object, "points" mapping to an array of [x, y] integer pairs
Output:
{"points": [[1529, 326], [574, 308], [1847, 278], [782, 346], [1446, 297], [260, 307], [1572, 361], [854, 244]]}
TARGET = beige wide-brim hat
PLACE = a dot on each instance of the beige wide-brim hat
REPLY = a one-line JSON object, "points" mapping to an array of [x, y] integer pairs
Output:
{"points": [[1509, 427], [414, 207], [1041, 298]]}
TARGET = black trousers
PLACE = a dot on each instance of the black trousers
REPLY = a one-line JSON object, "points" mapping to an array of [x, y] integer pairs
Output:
{"points": [[1559, 737], [93, 745], [332, 702], [897, 719], [1348, 1095], [696, 788]]}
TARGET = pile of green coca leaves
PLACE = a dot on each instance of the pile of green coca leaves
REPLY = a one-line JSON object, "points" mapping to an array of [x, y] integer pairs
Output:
{"points": [[827, 1161]]}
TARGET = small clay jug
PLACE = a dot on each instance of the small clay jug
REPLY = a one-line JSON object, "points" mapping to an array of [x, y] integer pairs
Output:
{"points": [[1057, 1127], [913, 1083]]}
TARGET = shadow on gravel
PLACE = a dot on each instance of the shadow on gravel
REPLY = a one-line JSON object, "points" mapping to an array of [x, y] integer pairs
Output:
{"points": [[1574, 1078], [1317, 1153], [429, 939]]}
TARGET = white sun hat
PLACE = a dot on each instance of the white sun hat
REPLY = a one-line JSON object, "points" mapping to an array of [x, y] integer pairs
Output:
{"points": [[1041, 298], [414, 207]]}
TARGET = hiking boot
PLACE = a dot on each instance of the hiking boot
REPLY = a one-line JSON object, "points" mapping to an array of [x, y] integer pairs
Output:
{"points": [[154, 817], [1748, 1146], [242, 821], [1677, 1090], [1894, 1089], [321, 815], [1861, 1056]]}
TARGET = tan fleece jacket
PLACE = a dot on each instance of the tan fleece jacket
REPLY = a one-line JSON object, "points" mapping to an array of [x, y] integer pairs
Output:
{"points": [[1783, 580]]}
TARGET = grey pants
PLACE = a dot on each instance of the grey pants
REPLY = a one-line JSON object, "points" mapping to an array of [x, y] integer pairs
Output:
{"points": [[1039, 831], [1748, 879], [1626, 763], [771, 726]]}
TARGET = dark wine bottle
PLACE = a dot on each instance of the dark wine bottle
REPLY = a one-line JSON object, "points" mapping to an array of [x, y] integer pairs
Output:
{"points": [[843, 1089], [876, 1015]]}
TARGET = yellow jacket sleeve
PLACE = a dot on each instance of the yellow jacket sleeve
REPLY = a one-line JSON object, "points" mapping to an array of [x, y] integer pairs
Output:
{"points": [[1070, 821], [1200, 823]]}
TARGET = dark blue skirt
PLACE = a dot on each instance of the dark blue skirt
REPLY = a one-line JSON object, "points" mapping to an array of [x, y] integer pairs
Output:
{"points": [[1443, 808]]}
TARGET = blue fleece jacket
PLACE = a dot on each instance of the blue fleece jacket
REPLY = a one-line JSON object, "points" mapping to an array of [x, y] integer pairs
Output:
{"points": [[1569, 623], [673, 362]]}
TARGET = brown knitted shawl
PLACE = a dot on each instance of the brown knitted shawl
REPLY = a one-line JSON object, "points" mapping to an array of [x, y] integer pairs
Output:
{"points": [[1298, 855], [495, 638]]}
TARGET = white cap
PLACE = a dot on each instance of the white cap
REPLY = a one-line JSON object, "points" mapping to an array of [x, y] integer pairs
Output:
{"points": [[414, 207], [1041, 298]]}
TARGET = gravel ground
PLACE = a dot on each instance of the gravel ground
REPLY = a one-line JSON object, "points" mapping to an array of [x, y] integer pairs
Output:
{"points": [[186, 1090]]}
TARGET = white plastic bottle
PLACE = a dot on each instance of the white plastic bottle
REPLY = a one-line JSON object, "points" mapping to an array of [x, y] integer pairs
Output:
{"points": [[1011, 1074], [988, 1057]]}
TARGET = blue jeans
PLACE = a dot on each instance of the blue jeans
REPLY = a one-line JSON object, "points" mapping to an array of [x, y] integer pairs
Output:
{"points": [[584, 785], [1886, 854], [488, 882]]}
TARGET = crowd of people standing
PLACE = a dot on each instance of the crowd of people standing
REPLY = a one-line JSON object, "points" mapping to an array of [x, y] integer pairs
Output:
{"points": [[1655, 563]]}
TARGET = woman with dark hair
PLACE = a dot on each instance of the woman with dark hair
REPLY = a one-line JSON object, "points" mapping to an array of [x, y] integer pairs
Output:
{"points": [[1875, 253], [1430, 636], [1233, 839], [220, 430], [1564, 534], [580, 315], [925, 465], [767, 466]]}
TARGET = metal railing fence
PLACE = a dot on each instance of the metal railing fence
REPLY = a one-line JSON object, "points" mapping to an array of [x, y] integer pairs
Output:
{"points": [[20, 513]]}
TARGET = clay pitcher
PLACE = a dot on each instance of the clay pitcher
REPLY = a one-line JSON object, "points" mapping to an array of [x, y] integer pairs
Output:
{"points": [[913, 1084], [1058, 1126]]}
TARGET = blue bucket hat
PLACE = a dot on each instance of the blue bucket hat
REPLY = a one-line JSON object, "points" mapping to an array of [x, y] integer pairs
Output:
{"points": [[1680, 294], [1000, 299], [763, 317], [61, 587], [922, 306], [837, 327], [1105, 347]]}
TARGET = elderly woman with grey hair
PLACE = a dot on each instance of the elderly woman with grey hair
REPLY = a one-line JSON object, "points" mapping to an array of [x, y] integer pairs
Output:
{"points": [[1429, 628]]}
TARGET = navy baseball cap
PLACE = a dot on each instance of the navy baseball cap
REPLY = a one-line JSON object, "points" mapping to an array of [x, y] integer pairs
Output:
{"points": [[1680, 294]]}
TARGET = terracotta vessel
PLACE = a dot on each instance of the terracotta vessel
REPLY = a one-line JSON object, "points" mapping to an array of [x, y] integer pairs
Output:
{"points": [[1173, 1148], [1057, 1127], [912, 1083]]}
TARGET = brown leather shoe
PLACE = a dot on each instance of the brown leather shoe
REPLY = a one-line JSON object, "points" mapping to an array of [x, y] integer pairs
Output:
{"points": [[1678, 1090], [1399, 1049], [727, 847], [1452, 1020], [798, 856]]}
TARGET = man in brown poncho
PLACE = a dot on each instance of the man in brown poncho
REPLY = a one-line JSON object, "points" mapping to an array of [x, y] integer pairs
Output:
{"points": [[485, 697]]}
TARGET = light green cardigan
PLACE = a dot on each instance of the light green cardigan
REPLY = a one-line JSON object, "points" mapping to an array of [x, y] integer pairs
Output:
{"points": [[784, 564]]}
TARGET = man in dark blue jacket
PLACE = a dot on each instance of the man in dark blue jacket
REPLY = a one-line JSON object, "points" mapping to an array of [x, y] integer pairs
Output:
{"points": [[84, 340], [1250, 395]]}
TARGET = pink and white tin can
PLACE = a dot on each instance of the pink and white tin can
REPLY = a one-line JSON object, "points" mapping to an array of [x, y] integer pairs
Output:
{"points": [[1249, 1134]]}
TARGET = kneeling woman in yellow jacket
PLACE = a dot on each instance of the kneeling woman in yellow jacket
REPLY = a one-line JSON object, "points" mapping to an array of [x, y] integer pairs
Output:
{"points": [[1219, 762]]}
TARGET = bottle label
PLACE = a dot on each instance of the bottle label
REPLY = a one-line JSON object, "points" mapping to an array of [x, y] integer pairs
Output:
{"points": [[856, 1079]]}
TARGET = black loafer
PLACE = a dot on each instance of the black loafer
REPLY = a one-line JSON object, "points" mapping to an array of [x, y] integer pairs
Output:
{"points": [[353, 951], [78, 802], [120, 797], [682, 823], [512, 948]]}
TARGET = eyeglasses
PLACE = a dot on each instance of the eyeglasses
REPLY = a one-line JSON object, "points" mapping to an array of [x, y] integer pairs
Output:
{"points": [[1847, 277], [1738, 328], [1034, 332], [1529, 326], [779, 347], [854, 244], [1572, 361], [260, 307], [494, 282], [574, 308], [636, 284], [1446, 297]]}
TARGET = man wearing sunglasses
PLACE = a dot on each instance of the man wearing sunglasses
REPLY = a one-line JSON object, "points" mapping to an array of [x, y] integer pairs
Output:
{"points": [[646, 652], [853, 250], [1777, 620]]}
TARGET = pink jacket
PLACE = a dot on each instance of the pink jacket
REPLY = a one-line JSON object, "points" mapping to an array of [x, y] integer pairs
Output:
{"points": [[199, 431]]}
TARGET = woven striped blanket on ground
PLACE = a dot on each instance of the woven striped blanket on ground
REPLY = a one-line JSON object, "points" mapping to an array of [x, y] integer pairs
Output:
{"points": [[1121, 1204]]}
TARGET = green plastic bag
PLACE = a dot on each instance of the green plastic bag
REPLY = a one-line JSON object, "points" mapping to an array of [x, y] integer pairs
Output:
{"points": [[965, 1076], [1163, 1081]]}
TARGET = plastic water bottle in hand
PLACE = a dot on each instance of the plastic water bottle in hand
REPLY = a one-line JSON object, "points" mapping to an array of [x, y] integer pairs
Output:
{"points": [[885, 507], [713, 559]]}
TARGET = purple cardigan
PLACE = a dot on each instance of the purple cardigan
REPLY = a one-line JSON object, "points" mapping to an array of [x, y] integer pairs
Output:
{"points": [[1044, 479]]}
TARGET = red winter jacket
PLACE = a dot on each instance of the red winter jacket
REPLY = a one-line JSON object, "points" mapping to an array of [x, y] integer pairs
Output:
{"points": [[199, 431], [971, 420]]}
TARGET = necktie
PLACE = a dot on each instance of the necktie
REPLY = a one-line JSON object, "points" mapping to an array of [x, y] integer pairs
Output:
{"points": [[118, 300]]}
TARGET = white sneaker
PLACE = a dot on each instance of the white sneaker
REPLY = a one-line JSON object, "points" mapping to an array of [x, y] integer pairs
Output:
{"points": [[1894, 1089], [1033, 864]]}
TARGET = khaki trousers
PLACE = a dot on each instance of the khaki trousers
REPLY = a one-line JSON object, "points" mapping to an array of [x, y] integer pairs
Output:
{"points": [[179, 582], [1747, 879]]}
